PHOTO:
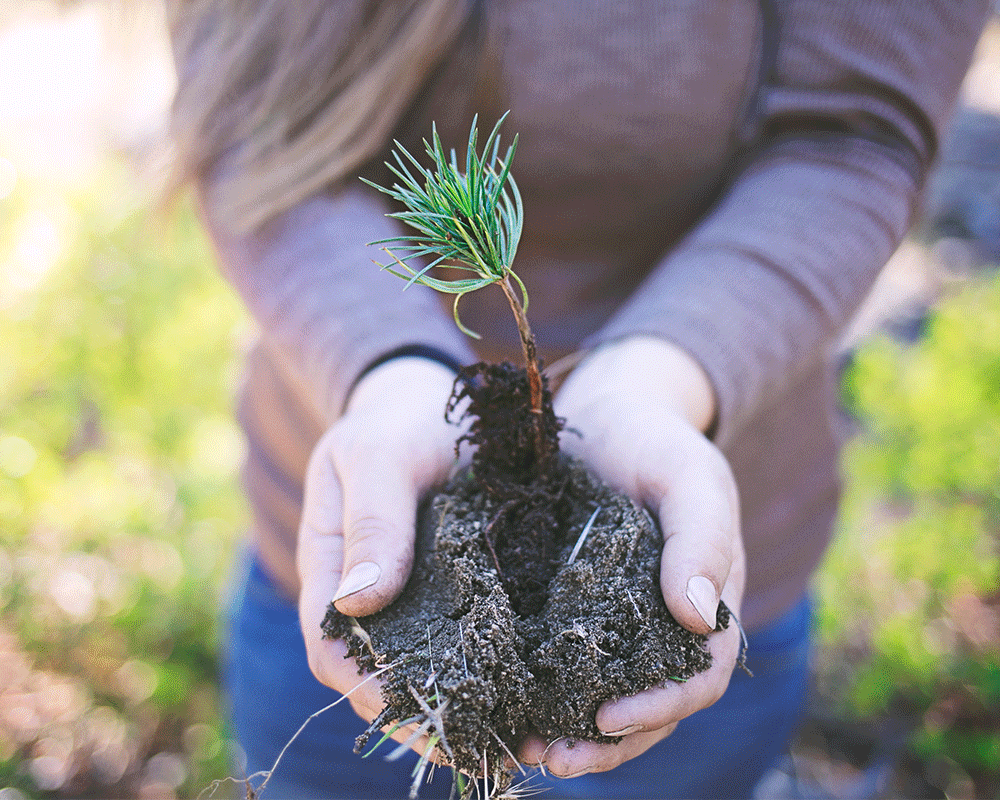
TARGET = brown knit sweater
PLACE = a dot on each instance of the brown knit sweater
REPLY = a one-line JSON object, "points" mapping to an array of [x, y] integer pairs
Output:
{"points": [[727, 175]]}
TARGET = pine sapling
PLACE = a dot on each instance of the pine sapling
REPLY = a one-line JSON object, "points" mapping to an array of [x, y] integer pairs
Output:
{"points": [[468, 218]]}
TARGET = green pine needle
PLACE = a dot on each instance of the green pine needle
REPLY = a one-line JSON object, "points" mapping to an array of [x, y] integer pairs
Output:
{"points": [[388, 734], [469, 219]]}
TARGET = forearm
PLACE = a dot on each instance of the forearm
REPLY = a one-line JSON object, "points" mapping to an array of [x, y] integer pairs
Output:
{"points": [[656, 370], [848, 121], [324, 308], [759, 291]]}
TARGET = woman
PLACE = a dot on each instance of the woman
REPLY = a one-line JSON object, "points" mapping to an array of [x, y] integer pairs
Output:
{"points": [[710, 189]]}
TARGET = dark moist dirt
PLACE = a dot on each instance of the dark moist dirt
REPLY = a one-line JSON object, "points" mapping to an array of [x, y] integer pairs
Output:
{"points": [[495, 626]]}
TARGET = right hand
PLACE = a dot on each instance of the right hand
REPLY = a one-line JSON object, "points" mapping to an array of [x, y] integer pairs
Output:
{"points": [[648, 441], [365, 478]]}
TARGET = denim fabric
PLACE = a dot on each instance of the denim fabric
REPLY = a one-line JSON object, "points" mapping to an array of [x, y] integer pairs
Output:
{"points": [[719, 752]]}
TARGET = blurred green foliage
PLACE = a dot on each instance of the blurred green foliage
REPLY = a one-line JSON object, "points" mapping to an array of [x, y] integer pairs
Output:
{"points": [[120, 509], [119, 501], [909, 611]]}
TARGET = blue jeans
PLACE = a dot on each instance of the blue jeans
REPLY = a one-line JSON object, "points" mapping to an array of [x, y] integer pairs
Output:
{"points": [[720, 752]]}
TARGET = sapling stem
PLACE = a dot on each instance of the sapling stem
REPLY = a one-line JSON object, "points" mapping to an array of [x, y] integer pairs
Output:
{"points": [[468, 218], [530, 362]]}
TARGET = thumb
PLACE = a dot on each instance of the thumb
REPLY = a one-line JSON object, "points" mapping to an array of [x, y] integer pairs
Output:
{"points": [[380, 509], [702, 554], [391, 445]]}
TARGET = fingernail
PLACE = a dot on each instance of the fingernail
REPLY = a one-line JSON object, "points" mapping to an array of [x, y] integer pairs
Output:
{"points": [[578, 773], [633, 728], [701, 593], [360, 577]]}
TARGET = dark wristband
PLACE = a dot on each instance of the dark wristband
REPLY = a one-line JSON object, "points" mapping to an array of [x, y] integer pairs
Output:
{"points": [[419, 350]]}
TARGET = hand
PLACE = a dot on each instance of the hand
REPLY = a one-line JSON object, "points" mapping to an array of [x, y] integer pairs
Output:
{"points": [[364, 481], [641, 405]]}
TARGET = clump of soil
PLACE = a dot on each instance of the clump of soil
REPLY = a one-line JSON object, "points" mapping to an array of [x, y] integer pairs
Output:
{"points": [[516, 464], [509, 623]]}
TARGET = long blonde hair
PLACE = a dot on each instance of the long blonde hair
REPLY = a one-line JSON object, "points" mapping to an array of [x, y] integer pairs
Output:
{"points": [[280, 98]]}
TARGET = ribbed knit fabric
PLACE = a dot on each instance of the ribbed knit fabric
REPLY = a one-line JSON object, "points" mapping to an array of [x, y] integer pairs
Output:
{"points": [[730, 176]]}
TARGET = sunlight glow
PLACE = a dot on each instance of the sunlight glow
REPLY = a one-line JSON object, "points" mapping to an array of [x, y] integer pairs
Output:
{"points": [[37, 248], [17, 456], [8, 177]]}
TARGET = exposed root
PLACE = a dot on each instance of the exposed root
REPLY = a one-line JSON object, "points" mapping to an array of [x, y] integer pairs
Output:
{"points": [[506, 749], [402, 749], [255, 793], [635, 605], [465, 660], [210, 790], [521, 789], [363, 635], [741, 661], [583, 536], [418, 772], [503, 426], [545, 752], [381, 721]]}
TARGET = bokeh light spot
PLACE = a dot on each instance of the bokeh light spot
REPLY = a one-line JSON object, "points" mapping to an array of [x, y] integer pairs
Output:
{"points": [[74, 593], [202, 741], [164, 771], [17, 456], [8, 177], [137, 680], [162, 563]]}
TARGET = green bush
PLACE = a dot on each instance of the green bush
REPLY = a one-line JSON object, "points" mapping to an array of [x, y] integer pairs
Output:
{"points": [[909, 595], [119, 506]]}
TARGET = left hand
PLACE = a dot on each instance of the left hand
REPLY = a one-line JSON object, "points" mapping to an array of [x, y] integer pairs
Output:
{"points": [[363, 483], [641, 405]]}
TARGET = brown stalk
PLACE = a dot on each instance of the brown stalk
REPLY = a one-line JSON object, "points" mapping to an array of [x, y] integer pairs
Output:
{"points": [[530, 364]]}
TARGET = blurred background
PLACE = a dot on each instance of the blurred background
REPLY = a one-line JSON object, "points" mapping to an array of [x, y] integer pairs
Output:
{"points": [[119, 503]]}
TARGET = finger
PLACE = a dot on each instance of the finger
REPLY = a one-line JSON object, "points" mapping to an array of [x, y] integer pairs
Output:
{"points": [[699, 515], [666, 705], [338, 671], [320, 558], [570, 758], [380, 510]]}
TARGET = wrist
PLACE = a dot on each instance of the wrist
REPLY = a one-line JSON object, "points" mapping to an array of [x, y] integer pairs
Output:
{"points": [[654, 369], [424, 351], [407, 381]]}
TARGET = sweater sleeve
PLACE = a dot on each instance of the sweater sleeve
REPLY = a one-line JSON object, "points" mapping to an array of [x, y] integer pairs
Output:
{"points": [[848, 118], [324, 310], [322, 306]]}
